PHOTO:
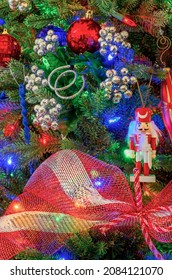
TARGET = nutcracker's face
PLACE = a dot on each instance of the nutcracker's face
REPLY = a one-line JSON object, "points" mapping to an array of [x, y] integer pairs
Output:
{"points": [[143, 127]]}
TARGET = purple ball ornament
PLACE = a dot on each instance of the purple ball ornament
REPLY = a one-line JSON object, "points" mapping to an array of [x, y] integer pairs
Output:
{"points": [[57, 31]]}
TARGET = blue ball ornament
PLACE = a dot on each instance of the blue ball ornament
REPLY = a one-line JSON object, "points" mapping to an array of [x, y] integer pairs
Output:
{"points": [[57, 31]]}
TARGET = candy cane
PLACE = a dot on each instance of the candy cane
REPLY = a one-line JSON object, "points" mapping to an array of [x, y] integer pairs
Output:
{"points": [[149, 241], [139, 205], [137, 190]]}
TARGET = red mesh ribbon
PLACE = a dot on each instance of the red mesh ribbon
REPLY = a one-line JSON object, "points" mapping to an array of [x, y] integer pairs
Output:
{"points": [[72, 192]]}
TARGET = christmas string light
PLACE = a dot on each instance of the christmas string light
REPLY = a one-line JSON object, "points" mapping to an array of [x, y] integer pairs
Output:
{"points": [[126, 20]]}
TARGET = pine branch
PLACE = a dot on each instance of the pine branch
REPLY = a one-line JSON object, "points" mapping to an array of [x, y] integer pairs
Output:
{"points": [[146, 8], [37, 22], [106, 7], [7, 81], [75, 5], [35, 98], [9, 117], [14, 182], [69, 144], [143, 72], [92, 134], [128, 6], [13, 95], [32, 254], [4, 8], [35, 150], [161, 18], [163, 163]]}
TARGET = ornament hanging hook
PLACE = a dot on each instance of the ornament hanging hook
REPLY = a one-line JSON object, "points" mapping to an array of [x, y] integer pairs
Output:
{"points": [[140, 93], [5, 31], [89, 14]]}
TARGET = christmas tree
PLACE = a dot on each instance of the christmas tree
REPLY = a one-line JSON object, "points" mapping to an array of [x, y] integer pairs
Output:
{"points": [[75, 76]]}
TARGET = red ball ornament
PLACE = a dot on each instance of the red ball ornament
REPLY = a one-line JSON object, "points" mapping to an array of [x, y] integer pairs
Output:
{"points": [[9, 48], [83, 36]]}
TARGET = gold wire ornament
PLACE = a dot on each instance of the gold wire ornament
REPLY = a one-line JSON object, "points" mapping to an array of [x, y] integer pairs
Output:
{"points": [[163, 44]]}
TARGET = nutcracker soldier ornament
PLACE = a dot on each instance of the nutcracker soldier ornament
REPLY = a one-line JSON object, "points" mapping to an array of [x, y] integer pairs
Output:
{"points": [[143, 137]]}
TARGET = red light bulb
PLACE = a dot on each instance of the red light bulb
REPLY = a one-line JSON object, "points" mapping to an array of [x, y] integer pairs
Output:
{"points": [[16, 206], [12, 127], [129, 22], [45, 139], [9, 130]]}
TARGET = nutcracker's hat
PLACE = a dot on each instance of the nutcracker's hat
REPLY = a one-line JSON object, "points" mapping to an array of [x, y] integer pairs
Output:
{"points": [[143, 114]]}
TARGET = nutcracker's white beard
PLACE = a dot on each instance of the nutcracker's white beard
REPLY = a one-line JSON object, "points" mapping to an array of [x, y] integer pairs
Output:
{"points": [[154, 130]]}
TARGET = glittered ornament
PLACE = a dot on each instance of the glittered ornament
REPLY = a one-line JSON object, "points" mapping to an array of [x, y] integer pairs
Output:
{"points": [[48, 43], [83, 36], [47, 114], [114, 46], [116, 100], [35, 80], [128, 94], [118, 84], [21, 5], [9, 48]]}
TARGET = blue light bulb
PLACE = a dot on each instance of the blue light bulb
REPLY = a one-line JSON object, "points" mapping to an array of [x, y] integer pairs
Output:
{"points": [[98, 183], [2, 21], [9, 161], [114, 120]]}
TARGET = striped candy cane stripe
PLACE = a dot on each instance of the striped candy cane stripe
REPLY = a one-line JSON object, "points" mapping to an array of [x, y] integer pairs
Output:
{"points": [[158, 229], [137, 189], [143, 222], [149, 241], [160, 209]]}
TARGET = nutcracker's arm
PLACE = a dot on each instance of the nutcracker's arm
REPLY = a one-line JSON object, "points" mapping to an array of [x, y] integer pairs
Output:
{"points": [[132, 146], [153, 146]]}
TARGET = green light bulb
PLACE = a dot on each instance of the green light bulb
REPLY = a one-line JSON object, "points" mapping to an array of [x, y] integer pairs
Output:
{"points": [[127, 153]]}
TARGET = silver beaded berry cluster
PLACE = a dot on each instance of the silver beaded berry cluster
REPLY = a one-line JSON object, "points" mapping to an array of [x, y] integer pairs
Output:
{"points": [[42, 46], [115, 86], [21, 5], [36, 79], [47, 114], [112, 42]]}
